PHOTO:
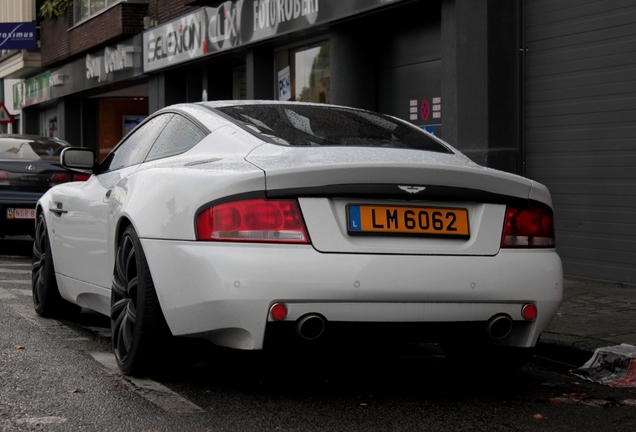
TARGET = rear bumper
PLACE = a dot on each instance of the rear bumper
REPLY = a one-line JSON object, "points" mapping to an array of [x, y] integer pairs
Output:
{"points": [[223, 292]]}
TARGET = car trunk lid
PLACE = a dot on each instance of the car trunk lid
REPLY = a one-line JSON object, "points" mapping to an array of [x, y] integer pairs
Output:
{"points": [[333, 182]]}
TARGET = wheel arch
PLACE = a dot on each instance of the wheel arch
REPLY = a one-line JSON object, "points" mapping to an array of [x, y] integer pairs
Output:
{"points": [[123, 223]]}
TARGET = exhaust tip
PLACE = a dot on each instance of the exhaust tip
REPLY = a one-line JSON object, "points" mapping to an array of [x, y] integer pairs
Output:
{"points": [[499, 326], [311, 326]]}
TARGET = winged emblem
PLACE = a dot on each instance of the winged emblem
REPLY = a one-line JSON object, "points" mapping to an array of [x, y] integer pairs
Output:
{"points": [[412, 189]]}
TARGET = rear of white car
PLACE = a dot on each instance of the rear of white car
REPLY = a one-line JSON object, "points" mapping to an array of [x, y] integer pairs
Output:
{"points": [[414, 245], [279, 223]]}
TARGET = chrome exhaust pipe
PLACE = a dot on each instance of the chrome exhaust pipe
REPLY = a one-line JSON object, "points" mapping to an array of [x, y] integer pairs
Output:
{"points": [[499, 326], [311, 326]]}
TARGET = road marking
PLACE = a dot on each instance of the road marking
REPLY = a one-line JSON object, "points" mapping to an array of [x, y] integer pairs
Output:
{"points": [[24, 292], [5, 295], [13, 270], [37, 421], [154, 392]]}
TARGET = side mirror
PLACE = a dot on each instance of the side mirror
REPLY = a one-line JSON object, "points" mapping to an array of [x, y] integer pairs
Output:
{"points": [[78, 158]]}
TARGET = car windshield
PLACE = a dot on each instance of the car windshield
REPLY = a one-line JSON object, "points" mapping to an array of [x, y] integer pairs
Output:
{"points": [[28, 149], [311, 125]]}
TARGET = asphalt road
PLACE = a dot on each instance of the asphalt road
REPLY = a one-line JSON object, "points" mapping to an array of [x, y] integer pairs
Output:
{"points": [[59, 376]]}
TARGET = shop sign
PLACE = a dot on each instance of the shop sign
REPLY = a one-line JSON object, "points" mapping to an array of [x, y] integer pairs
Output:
{"points": [[114, 59], [236, 23], [17, 36], [32, 91]]}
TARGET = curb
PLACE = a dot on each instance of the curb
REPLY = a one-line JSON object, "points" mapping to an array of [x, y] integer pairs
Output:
{"points": [[569, 350]]}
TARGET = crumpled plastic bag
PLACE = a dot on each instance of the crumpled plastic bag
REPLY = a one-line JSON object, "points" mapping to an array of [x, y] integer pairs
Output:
{"points": [[614, 366]]}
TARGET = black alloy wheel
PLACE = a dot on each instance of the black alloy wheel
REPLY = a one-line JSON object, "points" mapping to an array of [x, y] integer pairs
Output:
{"points": [[139, 329], [47, 300]]}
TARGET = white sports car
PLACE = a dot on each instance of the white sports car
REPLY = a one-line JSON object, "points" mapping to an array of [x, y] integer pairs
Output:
{"points": [[254, 223]]}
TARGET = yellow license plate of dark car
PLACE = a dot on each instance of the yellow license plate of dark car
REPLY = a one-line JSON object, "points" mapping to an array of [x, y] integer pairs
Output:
{"points": [[378, 219]]}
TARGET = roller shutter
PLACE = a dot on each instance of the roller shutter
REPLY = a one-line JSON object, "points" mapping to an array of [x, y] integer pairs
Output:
{"points": [[580, 128]]}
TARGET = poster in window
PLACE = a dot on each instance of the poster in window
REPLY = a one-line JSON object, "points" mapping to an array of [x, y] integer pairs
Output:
{"points": [[130, 122], [284, 84]]}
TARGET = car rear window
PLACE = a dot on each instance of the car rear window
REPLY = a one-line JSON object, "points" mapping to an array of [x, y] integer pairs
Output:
{"points": [[27, 149], [311, 125]]}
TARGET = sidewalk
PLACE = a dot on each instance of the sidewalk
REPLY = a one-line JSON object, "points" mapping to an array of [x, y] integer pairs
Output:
{"points": [[593, 315]]}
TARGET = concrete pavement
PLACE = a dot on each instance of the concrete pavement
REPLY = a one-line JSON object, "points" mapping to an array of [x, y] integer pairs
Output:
{"points": [[593, 315]]}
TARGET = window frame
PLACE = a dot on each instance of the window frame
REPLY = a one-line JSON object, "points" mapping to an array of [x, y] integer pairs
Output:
{"points": [[108, 4], [203, 133], [106, 164], [285, 57]]}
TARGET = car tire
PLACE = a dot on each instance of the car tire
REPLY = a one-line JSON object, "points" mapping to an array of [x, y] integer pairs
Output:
{"points": [[139, 329], [47, 300]]}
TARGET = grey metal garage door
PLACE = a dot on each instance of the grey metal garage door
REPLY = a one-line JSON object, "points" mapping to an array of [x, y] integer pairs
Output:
{"points": [[580, 128]]}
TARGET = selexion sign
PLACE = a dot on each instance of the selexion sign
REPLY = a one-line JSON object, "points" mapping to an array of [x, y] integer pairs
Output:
{"points": [[236, 23]]}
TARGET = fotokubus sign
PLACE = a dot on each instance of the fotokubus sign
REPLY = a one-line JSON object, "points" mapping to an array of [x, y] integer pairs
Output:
{"points": [[211, 30]]}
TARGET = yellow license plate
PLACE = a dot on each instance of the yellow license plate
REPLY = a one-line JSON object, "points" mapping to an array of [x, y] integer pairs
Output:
{"points": [[381, 219]]}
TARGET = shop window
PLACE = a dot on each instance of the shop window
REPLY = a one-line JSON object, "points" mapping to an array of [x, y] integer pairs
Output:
{"points": [[240, 84], [304, 73]]}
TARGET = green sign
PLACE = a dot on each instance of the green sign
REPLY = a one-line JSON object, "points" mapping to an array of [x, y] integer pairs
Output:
{"points": [[32, 91]]}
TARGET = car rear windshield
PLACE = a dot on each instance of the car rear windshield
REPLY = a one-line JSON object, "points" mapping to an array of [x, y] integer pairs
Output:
{"points": [[311, 125], [28, 149]]}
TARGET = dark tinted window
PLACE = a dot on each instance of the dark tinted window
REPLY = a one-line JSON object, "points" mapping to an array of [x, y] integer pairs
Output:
{"points": [[310, 125], [31, 149], [179, 135], [135, 148]]}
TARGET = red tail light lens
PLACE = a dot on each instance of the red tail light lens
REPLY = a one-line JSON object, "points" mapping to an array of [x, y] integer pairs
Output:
{"points": [[528, 228], [81, 177], [256, 220], [60, 178]]}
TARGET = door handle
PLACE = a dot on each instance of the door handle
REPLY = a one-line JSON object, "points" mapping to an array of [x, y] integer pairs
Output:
{"points": [[58, 209], [107, 196]]}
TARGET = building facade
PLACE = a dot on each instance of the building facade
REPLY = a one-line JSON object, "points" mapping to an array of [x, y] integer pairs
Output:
{"points": [[539, 88]]}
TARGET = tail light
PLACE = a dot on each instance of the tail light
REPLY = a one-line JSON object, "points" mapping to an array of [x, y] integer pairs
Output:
{"points": [[59, 178], [255, 220], [80, 177], [528, 228]]}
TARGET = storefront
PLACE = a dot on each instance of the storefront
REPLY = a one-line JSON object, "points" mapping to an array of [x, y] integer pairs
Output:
{"points": [[92, 101], [371, 54]]}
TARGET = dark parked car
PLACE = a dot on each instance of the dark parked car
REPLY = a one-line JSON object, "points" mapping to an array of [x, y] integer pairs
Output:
{"points": [[29, 166]]}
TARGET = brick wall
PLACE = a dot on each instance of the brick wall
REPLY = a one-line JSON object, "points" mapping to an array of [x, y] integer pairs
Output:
{"points": [[165, 10], [61, 41], [55, 38]]}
